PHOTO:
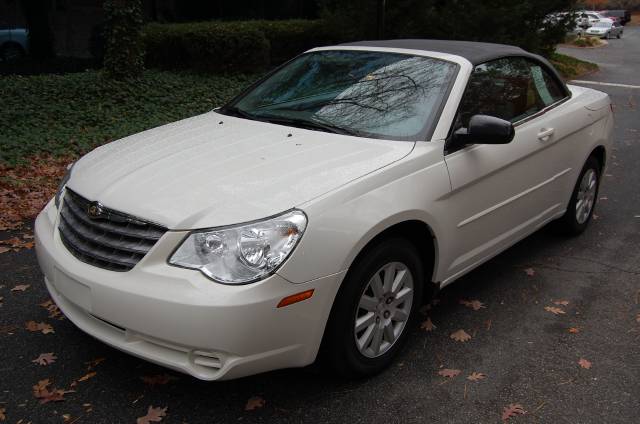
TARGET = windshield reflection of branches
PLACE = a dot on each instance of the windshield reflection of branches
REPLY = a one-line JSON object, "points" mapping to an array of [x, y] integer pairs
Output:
{"points": [[387, 97]]}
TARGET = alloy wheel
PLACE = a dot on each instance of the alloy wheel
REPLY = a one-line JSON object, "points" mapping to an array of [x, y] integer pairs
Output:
{"points": [[586, 195], [384, 309]]}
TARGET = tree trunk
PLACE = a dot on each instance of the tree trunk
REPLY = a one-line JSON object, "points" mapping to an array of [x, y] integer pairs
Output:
{"points": [[124, 54]]}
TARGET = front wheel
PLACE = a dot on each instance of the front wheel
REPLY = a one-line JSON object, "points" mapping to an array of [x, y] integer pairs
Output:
{"points": [[374, 309], [583, 200]]}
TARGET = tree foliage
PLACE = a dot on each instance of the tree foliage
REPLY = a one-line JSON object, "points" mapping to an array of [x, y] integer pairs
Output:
{"points": [[520, 22], [124, 53]]}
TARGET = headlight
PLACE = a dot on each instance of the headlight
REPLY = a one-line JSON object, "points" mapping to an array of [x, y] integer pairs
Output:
{"points": [[63, 183], [244, 253]]}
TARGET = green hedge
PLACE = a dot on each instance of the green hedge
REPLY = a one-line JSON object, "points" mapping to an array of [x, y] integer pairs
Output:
{"points": [[240, 45]]}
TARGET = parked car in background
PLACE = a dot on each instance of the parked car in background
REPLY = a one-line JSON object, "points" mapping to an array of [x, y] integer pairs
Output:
{"points": [[588, 19], [14, 43], [605, 29], [623, 16], [318, 206]]}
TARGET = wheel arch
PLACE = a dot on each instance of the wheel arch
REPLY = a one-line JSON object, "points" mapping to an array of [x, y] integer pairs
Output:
{"points": [[415, 230], [600, 153]]}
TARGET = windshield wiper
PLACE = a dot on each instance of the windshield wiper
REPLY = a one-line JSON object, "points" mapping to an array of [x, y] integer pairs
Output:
{"points": [[309, 124], [237, 112]]}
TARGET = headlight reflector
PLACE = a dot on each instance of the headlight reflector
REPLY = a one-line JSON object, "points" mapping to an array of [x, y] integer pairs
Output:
{"points": [[244, 253]]}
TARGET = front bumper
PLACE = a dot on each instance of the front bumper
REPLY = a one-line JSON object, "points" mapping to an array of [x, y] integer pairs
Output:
{"points": [[178, 318]]}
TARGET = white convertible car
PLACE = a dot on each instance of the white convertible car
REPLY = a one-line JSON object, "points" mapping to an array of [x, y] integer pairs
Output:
{"points": [[310, 214]]}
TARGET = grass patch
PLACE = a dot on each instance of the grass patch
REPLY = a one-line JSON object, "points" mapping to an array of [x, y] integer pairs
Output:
{"points": [[570, 67], [68, 115]]}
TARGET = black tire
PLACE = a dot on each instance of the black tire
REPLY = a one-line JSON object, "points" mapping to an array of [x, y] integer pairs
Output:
{"points": [[619, 36], [569, 224], [339, 348]]}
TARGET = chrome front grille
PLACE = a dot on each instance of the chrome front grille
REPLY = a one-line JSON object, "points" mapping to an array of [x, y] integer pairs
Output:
{"points": [[103, 237]]}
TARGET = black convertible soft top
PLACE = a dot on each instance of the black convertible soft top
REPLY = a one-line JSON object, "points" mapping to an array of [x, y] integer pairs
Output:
{"points": [[474, 52]]}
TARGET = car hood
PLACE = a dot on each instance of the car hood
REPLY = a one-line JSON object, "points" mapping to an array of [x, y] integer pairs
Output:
{"points": [[213, 170]]}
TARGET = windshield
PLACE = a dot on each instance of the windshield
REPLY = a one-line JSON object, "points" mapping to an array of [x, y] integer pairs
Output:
{"points": [[364, 93]]}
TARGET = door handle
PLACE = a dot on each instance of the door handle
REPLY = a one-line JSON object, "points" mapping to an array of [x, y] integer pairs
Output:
{"points": [[545, 133]]}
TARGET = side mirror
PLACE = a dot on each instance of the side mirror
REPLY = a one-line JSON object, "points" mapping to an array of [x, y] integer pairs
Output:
{"points": [[484, 129]]}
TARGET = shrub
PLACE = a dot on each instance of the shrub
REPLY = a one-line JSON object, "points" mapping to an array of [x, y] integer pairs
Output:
{"points": [[124, 53], [240, 45], [206, 46]]}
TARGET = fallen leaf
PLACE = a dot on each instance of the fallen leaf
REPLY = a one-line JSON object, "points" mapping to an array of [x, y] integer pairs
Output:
{"points": [[554, 310], [39, 326], [574, 330], [159, 379], [2, 415], [473, 304], [87, 376], [21, 287], [584, 363], [449, 373], [638, 318], [41, 391], [54, 311], [460, 336], [254, 402], [476, 376], [512, 410], [428, 325], [4, 249], [94, 363], [530, 272], [153, 415], [561, 302], [45, 359]]}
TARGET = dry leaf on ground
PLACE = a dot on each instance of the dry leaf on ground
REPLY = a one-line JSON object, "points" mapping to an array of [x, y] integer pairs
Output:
{"points": [[159, 379], [27, 188], [254, 402], [4, 249], [428, 325], [561, 302], [154, 415], [39, 326], [476, 376], [638, 318], [584, 363], [554, 310], [94, 363], [574, 330], [530, 272], [473, 304], [54, 311], [44, 395], [512, 410], [45, 359], [460, 336], [449, 373], [87, 376], [2, 415], [21, 287]]}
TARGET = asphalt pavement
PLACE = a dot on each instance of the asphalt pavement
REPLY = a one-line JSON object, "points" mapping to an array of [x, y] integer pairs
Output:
{"points": [[530, 355]]}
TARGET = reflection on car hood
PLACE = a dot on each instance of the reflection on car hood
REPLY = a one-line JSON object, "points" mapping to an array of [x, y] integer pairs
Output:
{"points": [[201, 172]]}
